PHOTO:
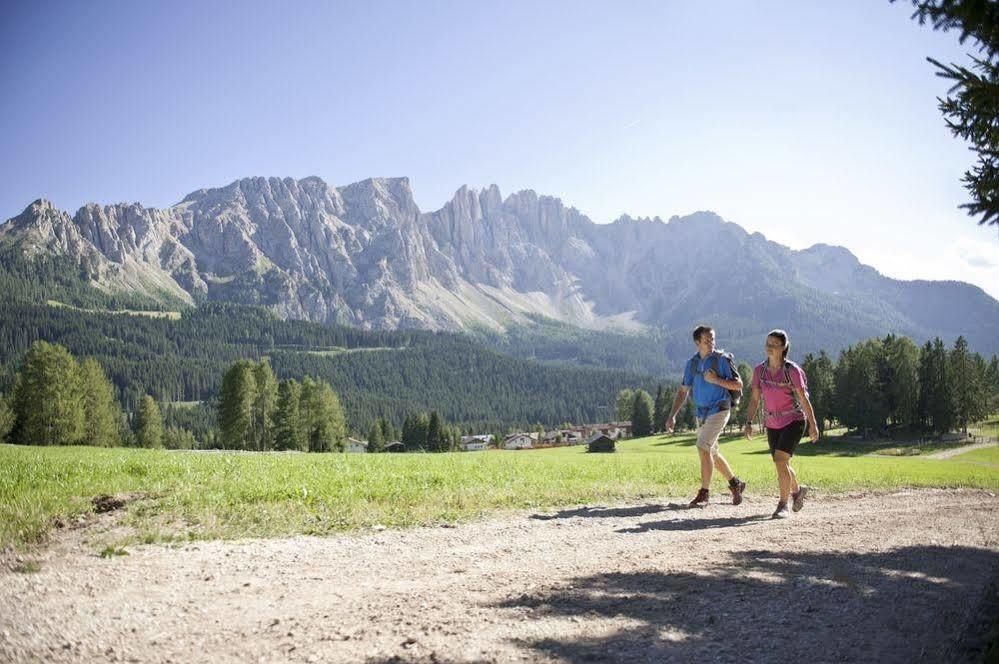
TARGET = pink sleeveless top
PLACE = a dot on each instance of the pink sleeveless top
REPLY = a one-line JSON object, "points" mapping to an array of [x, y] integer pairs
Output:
{"points": [[779, 403]]}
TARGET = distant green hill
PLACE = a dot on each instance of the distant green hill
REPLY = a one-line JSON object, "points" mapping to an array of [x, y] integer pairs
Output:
{"points": [[183, 360]]}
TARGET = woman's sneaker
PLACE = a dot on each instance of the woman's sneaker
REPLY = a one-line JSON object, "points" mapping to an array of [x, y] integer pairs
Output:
{"points": [[781, 512], [736, 486], [799, 498], [700, 500]]}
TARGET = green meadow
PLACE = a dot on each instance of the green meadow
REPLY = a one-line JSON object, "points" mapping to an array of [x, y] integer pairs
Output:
{"points": [[184, 495]]}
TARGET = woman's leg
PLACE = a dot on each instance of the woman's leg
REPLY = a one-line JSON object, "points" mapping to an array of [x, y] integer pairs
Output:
{"points": [[781, 461], [794, 477]]}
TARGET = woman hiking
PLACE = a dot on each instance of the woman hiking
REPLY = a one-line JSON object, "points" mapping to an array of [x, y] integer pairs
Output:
{"points": [[785, 397]]}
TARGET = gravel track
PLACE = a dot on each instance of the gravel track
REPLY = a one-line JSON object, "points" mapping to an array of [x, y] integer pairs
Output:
{"points": [[888, 578]]}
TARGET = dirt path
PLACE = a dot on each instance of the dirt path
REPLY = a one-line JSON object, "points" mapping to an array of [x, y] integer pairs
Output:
{"points": [[946, 454], [896, 578]]}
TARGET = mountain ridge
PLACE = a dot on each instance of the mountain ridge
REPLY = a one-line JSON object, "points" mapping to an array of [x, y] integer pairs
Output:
{"points": [[364, 254]]}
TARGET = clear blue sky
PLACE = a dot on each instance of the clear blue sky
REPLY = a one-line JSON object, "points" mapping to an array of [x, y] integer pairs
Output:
{"points": [[807, 121]]}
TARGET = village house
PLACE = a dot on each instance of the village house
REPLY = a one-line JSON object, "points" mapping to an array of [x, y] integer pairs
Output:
{"points": [[476, 443], [357, 446], [518, 441]]}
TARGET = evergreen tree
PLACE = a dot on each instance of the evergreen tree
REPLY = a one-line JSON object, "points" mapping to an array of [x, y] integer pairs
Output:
{"points": [[968, 393], [624, 404], [388, 431], [325, 424], [421, 427], [641, 414], [435, 433], [176, 438], [6, 418], [148, 424], [820, 372], [660, 410], [376, 440], [264, 406], [409, 434], [971, 110], [992, 385], [859, 402], [288, 419], [48, 401], [901, 384], [237, 398], [936, 399], [102, 416]]}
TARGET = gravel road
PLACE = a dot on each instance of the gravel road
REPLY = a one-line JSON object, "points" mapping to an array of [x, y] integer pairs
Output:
{"points": [[887, 578]]}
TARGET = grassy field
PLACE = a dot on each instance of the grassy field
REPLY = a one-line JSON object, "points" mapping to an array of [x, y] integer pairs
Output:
{"points": [[197, 495]]}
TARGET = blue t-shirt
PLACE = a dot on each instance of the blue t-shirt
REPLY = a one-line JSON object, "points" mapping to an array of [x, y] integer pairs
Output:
{"points": [[708, 397]]}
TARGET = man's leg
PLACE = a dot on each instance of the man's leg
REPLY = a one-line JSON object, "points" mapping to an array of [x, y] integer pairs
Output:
{"points": [[705, 467], [722, 465]]}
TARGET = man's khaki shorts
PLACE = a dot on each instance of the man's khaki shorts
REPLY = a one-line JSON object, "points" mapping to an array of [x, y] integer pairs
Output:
{"points": [[710, 429]]}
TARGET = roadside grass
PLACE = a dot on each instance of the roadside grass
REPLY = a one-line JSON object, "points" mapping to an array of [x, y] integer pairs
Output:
{"points": [[185, 495]]}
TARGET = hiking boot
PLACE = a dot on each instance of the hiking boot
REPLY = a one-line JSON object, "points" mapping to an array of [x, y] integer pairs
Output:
{"points": [[781, 512], [736, 486], [701, 500], [799, 498]]}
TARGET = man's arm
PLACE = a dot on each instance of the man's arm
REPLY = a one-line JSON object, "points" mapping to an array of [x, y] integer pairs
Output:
{"points": [[729, 384]]}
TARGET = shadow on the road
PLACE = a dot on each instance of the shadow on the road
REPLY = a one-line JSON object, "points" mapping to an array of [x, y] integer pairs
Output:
{"points": [[608, 512], [696, 524], [911, 604]]}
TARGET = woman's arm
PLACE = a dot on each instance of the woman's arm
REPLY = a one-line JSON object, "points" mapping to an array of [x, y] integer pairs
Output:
{"points": [[806, 405], [754, 403]]}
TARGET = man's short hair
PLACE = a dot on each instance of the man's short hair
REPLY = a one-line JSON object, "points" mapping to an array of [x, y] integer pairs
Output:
{"points": [[701, 329]]}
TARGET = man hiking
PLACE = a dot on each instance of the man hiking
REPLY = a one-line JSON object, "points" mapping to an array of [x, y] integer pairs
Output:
{"points": [[710, 374]]}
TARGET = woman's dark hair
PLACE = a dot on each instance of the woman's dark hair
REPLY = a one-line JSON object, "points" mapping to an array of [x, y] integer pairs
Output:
{"points": [[782, 335], [701, 329]]}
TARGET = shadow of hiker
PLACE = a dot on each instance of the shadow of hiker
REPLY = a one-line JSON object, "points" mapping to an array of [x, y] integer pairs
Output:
{"points": [[902, 605], [608, 512], [697, 524]]}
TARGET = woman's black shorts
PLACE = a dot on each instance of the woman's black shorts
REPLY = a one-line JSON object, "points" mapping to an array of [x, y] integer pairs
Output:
{"points": [[786, 439]]}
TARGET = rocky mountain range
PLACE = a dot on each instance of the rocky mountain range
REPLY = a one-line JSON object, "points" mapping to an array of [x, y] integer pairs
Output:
{"points": [[365, 255]]}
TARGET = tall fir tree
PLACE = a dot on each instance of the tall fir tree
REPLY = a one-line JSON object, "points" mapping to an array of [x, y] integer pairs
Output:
{"points": [[900, 379], [48, 400], [435, 433], [661, 409], [819, 372], [966, 386], [6, 418], [264, 406], [148, 424], [376, 440], [623, 404], [325, 423], [641, 414], [102, 417], [237, 398], [288, 419]]}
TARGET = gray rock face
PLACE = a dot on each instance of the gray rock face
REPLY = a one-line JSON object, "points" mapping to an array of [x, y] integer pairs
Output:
{"points": [[365, 255]]}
